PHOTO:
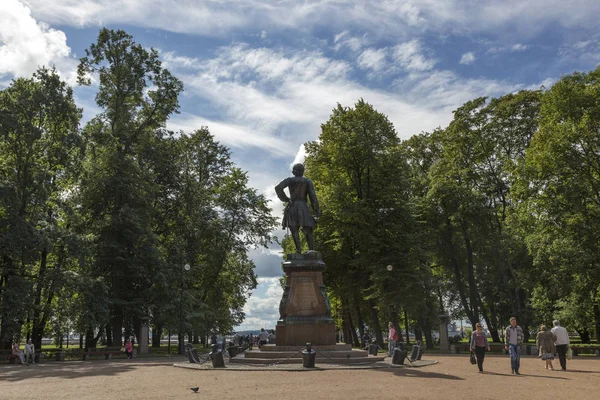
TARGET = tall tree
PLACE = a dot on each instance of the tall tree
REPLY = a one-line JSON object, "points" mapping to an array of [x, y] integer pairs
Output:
{"points": [[136, 95], [361, 177], [39, 162], [559, 193]]}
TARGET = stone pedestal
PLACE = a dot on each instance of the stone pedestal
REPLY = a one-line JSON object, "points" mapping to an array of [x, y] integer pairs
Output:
{"points": [[305, 312], [444, 342], [143, 337]]}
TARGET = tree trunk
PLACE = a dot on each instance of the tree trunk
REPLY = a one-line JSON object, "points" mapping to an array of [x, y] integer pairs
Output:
{"points": [[584, 334], [156, 335], [359, 320], [418, 334], [117, 326], [597, 321], [406, 326], [37, 328], [458, 279], [473, 294], [109, 337], [375, 323], [428, 338]]}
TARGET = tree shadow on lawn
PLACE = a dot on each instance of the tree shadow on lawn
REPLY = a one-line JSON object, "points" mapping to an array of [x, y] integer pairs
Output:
{"points": [[70, 370]]}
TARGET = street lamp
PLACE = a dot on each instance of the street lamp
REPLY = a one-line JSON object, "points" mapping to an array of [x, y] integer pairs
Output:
{"points": [[186, 267]]}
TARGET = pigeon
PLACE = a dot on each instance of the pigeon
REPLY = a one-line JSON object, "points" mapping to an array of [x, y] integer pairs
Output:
{"points": [[195, 390]]}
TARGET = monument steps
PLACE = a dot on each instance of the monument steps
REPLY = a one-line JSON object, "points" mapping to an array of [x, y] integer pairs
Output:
{"points": [[296, 360], [332, 347], [296, 354], [330, 354]]}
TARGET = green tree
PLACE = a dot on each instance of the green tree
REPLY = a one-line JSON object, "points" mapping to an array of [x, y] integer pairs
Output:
{"points": [[361, 178], [40, 151], [136, 96], [559, 194]]}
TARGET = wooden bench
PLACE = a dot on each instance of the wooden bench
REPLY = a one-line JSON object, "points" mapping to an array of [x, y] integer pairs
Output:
{"points": [[576, 350], [107, 354], [12, 359]]}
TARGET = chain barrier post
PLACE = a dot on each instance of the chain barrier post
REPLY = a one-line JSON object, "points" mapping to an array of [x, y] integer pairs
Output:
{"points": [[216, 356], [308, 356]]}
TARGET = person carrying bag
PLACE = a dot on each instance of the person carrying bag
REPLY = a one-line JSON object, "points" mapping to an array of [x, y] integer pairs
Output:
{"points": [[479, 344]]}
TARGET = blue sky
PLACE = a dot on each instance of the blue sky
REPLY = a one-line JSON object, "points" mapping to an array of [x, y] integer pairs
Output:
{"points": [[263, 75]]}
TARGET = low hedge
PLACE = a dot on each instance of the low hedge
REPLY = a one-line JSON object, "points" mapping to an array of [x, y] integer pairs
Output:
{"points": [[593, 346]]}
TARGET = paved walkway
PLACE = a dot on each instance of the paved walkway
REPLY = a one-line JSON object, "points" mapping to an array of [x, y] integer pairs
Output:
{"points": [[453, 377]]}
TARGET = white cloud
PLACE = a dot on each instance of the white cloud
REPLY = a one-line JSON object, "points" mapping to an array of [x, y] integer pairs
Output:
{"points": [[300, 156], [345, 40], [585, 53], [262, 308], [232, 135], [373, 59], [519, 47], [26, 44], [467, 58], [396, 18], [412, 56]]}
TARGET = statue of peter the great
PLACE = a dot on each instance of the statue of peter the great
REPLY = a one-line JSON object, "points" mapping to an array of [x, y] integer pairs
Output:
{"points": [[296, 213]]}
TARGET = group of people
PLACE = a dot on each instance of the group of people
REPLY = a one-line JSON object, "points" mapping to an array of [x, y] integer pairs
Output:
{"points": [[549, 342], [28, 356]]}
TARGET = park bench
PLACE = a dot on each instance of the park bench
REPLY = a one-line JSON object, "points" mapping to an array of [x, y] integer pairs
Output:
{"points": [[107, 354], [578, 349], [8, 355]]}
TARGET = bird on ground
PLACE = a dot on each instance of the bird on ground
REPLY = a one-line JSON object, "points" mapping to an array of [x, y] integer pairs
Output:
{"points": [[195, 390]]}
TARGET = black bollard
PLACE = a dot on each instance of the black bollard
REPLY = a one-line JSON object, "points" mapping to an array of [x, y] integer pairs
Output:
{"points": [[216, 356], [192, 354], [414, 354], [373, 348], [399, 355], [308, 356], [420, 353], [232, 350]]}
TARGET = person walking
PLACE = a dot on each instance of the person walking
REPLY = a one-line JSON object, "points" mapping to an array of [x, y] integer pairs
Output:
{"points": [[479, 344], [514, 339], [391, 339], [562, 343], [545, 343]]}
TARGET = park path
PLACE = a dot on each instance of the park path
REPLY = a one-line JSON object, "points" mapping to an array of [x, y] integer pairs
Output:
{"points": [[452, 378]]}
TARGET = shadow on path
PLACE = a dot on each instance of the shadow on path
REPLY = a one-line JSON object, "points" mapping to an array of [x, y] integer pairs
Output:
{"points": [[418, 373], [71, 370]]}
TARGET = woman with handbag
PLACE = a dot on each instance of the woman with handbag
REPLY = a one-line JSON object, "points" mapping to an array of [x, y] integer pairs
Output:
{"points": [[479, 344], [545, 343]]}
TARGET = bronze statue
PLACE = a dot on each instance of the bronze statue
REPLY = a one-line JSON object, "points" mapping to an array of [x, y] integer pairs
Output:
{"points": [[297, 213]]}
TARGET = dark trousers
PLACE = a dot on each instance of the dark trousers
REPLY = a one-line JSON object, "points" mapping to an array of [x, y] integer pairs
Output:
{"points": [[480, 354], [561, 349]]}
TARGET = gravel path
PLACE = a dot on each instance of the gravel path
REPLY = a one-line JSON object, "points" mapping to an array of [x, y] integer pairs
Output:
{"points": [[451, 378]]}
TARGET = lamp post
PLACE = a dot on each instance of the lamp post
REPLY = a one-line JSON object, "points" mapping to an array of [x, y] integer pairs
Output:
{"points": [[180, 344]]}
